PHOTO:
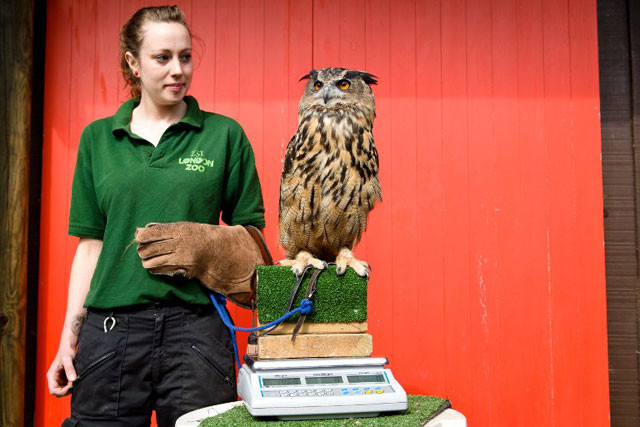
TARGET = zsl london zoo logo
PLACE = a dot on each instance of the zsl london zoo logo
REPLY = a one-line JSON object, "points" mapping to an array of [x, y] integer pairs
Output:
{"points": [[196, 162]]}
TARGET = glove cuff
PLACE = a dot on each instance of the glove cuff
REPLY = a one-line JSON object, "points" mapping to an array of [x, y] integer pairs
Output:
{"points": [[241, 290]]}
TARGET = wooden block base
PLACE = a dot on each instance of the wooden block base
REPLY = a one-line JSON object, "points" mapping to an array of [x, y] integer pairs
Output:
{"points": [[322, 328], [315, 345]]}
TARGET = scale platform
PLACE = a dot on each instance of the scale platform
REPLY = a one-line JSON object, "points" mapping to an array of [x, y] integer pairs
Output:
{"points": [[320, 388]]}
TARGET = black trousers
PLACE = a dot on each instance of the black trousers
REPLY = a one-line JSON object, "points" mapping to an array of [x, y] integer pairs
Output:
{"points": [[171, 359]]}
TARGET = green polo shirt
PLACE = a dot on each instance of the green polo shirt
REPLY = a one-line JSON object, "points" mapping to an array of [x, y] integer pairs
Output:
{"points": [[202, 169]]}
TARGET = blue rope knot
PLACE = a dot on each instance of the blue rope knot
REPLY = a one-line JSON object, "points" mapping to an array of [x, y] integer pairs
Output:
{"points": [[220, 302], [306, 306]]}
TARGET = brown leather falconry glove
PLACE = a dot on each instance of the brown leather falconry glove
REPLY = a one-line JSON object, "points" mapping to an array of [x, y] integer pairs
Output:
{"points": [[222, 257]]}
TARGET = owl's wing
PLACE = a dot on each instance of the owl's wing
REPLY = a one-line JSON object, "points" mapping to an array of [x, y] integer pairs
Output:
{"points": [[287, 173]]}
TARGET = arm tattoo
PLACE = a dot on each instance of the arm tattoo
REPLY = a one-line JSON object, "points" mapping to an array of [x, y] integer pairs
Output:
{"points": [[77, 322]]}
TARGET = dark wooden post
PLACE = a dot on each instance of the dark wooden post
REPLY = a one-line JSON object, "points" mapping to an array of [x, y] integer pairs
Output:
{"points": [[619, 52], [16, 59]]}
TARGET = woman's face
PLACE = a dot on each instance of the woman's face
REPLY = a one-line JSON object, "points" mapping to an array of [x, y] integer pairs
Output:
{"points": [[164, 64]]}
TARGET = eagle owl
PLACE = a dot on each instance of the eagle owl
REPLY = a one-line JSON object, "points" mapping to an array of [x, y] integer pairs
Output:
{"points": [[330, 176]]}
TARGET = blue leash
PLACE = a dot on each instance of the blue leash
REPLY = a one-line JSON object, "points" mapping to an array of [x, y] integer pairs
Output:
{"points": [[220, 302]]}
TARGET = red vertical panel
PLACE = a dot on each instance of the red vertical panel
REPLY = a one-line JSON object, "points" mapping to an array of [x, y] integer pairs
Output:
{"points": [[567, 334], [404, 256], [483, 245], [352, 34], [429, 194], [204, 53], [107, 67], [589, 291], [532, 214], [505, 89], [227, 58], [379, 229], [251, 78], [83, 58], [276, 134], [326, 33], [456, 203], [53, 248], [300, 57]]}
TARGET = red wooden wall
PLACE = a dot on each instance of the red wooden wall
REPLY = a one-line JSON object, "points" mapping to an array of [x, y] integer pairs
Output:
{"points": [[488, 283]]}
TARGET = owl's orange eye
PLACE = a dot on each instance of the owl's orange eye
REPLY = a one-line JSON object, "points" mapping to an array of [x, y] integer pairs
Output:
{"points": [[344, 84], [317, 86]]}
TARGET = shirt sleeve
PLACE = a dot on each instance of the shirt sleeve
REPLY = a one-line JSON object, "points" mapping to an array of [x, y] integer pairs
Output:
{"points": [[86, 219], [242, 199]]}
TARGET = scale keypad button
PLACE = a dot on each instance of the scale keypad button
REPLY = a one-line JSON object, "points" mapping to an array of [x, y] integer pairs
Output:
{"points": [[368, 392], [379, 391]]}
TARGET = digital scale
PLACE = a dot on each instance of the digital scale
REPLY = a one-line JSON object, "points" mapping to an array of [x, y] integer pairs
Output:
{"points": [[319, 388]]}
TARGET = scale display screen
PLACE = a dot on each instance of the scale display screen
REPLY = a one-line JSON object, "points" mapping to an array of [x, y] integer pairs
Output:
{"points": [[323, 380], [274, 382], [354, 379]]}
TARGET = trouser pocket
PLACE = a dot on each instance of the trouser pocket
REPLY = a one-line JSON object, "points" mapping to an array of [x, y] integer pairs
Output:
{"points": [[212, 365], [98, 366], [209, 367]]}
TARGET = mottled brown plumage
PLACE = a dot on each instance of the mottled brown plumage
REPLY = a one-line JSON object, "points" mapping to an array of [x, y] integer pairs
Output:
{"points": [[330, 176]]}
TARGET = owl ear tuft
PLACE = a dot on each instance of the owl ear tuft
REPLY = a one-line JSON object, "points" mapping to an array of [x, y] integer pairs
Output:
{"points": [[312, 74], [369, 79]]}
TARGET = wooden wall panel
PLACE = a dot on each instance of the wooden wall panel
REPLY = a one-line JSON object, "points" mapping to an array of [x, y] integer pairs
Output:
{"points": [[483, 243], [487, 284], [455, 160], [430, 220], [507, 375], [618, 41], [587, 152], [532, 211], [379, 234]]}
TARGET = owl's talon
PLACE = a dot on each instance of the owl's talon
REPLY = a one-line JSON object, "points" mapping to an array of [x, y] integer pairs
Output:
{"points": [[346, 259], [304, 261]]}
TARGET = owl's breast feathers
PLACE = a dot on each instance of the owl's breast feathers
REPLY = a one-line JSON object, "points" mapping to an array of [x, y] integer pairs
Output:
{"points": [[329, 181]]}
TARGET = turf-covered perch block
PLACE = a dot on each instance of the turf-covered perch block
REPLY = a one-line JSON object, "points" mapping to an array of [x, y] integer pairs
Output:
{"points": [[338, 299]]}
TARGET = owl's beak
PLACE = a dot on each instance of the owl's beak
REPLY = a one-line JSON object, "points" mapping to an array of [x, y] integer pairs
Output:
{"points": [[325, 95]]}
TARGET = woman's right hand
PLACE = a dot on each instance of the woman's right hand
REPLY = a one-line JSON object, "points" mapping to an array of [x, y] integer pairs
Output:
{"points": [[62, 373]]}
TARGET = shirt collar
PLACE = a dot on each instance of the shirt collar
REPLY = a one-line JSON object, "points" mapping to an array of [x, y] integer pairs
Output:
{"points": [[122, 119]]}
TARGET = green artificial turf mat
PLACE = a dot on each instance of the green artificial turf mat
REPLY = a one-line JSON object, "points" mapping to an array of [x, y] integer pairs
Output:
{"points": [[421, 409], [337, 298]]}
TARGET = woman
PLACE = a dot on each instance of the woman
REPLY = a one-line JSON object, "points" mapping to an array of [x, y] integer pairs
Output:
{"points": [[147, 342]]}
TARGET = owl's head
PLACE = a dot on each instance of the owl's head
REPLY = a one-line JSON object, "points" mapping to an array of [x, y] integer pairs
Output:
{"points": [[332, 86]]}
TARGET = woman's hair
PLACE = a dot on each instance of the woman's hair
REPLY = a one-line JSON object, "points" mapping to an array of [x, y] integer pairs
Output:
{"points": [[131, 37]]}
